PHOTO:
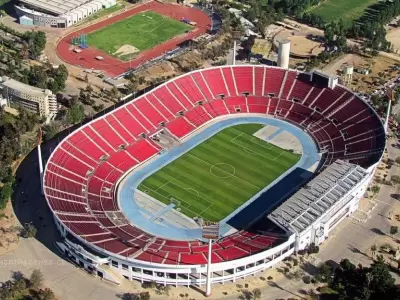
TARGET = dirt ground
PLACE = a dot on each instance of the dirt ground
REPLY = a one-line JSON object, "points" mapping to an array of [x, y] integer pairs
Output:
{"points": [[301, 44], [8, 230], [393, 36], [379, 69], [304, 46]]}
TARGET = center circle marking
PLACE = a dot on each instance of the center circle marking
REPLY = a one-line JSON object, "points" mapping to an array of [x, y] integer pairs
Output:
{"points": [[222, 170]]}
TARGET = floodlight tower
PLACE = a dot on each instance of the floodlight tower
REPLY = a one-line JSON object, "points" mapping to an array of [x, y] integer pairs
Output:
{"points": [[236, 35], [210, 232], [283, 53], [40, 160]]}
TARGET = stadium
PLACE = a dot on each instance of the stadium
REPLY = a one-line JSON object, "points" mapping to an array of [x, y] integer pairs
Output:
{"points": [[270, 158], [141, 34]]}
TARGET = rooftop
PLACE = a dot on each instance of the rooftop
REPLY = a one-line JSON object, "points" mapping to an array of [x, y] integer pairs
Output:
{"points": [[57, 7], [24, 88], [318, 196]]}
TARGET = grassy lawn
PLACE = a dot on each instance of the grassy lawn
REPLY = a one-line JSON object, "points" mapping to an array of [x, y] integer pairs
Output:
{"points": [[143, 31], [220, 174], [348, 10]]}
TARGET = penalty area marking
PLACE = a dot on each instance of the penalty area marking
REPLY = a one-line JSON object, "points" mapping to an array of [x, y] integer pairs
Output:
{"points": [[228, 174], [193, 191]]}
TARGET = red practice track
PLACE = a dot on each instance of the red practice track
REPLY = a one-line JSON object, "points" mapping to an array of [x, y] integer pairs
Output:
{"points": [[113, 66]]}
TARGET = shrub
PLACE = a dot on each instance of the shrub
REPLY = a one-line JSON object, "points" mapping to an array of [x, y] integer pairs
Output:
{"points": [[314, 281], [307, 279], [149, 285], [36, 279], [29, 231], [270, 278]]}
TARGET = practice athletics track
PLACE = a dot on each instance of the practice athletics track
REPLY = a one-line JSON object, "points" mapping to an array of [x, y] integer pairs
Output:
{"points": [[113, 66]]}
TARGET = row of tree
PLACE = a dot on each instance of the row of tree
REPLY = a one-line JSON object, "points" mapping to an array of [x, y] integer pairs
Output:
{"points": [[35, 40], [46, 77], [11, 129], [350, 282], [26, 288]]}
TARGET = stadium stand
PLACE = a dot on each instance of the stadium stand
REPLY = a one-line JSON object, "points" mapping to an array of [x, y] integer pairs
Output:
{"points": [[82, 173]]}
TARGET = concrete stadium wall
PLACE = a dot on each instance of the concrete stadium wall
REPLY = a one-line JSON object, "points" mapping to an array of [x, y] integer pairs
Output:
{"points": [[143, 271], [66, 20], [41, 20]]}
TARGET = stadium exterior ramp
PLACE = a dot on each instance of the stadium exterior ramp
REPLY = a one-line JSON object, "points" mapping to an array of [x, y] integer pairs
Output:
{"points": [[81, 178]]}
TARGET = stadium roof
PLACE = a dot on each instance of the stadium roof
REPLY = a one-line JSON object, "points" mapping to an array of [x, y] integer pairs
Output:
{"points": [[58, 7], [318, 196]]}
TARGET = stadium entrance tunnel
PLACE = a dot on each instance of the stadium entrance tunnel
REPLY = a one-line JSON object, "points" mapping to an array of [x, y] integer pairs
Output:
{"points": [[249, 212]]}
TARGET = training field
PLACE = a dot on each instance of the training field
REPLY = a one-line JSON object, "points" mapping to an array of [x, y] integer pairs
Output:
{"points": [[348, 10], [143, 31], [220, 174]]}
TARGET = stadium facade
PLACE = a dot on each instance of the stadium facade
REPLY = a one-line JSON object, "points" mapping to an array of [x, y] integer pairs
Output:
{"points": [[83, 173], [57, 13]]}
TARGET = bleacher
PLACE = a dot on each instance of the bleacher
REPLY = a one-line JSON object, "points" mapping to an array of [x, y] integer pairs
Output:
{"points": [[82, 173]]}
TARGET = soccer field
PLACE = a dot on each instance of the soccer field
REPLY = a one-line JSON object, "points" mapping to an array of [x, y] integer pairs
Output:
{"points": [[219, 175], [348, 10], [143, 31]]}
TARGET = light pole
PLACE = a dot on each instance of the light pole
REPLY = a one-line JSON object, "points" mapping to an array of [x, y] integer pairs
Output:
{"points": [[210, 232]]}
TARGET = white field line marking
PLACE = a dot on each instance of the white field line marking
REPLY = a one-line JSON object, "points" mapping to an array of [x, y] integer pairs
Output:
{"points": [[161, 186], [225, 171], [169, 196], [270, 146], [252, 151], [205, 209], [279, 155], [236, 137], [189, 192], [165, 197]]}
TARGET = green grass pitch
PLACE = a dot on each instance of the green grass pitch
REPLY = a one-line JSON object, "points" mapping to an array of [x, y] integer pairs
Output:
{"points": [[144, 31], [220, 174], [348, 10]]}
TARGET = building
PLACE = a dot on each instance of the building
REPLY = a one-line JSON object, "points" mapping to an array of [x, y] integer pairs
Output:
{"points": [[56, 13], [36, 100], [314, 211], [85, 181]]}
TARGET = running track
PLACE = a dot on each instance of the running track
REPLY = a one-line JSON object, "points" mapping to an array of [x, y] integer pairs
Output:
{"points": [[113, 66]]}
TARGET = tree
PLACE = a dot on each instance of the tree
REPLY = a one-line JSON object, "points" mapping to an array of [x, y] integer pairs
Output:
{"points": [[375, 189], [75, 114], [256, 294], [36, 279], [144, 296], [373, 250], [50, 130], [312, 248], [29, 231], [324, 273], [357, 282], [397, 160], [393, 230], [46, 294], [37, 42], [395, 179]]}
